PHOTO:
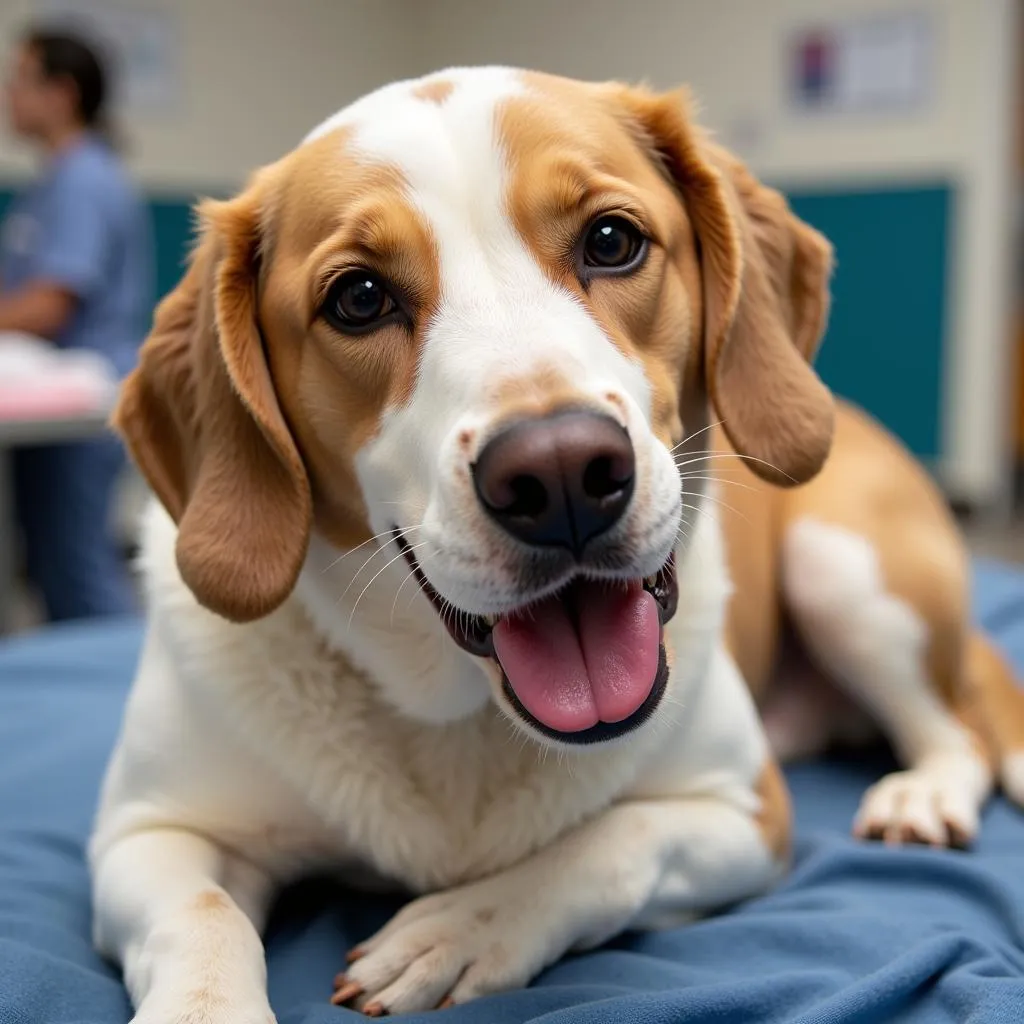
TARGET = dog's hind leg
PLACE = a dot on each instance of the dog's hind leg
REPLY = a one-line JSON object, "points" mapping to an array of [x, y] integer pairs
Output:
{"points": [[904, 666]]}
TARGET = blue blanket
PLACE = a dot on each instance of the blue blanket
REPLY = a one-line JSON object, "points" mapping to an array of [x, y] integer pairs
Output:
{"points": [[858, 933]]}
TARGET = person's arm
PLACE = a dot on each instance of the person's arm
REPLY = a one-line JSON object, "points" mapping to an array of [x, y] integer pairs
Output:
{"points": [[74, 240], [41, 308]]}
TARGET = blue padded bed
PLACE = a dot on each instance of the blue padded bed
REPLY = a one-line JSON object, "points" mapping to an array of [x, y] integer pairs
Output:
{"points": [[858, 933]]}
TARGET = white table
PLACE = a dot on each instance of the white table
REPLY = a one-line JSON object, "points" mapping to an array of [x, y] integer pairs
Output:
{"points": [[22, 433]]}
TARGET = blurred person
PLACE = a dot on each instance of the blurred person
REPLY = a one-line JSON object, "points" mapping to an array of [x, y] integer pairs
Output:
{"points": [[75, 269]]}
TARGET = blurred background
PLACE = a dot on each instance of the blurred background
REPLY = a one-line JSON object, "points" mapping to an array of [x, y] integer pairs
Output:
{"points": [[892, 125]]}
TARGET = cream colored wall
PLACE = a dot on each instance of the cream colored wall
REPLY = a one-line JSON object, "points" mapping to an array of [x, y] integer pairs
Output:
{"points": [[733, 54], [256, 75]]}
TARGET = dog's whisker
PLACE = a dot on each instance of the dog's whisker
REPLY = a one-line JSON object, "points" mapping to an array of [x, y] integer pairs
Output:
{"points": [[359, 571], [696, 433], [716, 480], [734, 455], [377, 551], [700, 511], [702, 458], [359, 547], [408, 576], [401, 554], [412, 597], [718, 501]]}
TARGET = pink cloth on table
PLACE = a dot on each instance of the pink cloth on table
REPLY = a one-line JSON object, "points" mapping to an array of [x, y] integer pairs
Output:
{"points": [[39, 381]]}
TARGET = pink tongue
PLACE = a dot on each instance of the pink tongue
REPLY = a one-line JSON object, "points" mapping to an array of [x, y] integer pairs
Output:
{"points": [[570, 677]]}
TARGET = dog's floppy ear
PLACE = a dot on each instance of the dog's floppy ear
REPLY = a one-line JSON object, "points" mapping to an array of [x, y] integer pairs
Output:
{"points": [[202, 421], [766, 296]]}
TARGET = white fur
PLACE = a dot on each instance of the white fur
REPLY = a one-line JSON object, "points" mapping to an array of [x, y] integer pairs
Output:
{"points": [[1012, 777], [346, 731], [873, 644]]}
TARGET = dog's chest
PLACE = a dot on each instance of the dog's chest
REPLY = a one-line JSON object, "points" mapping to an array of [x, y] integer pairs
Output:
{"points": [[426, 806]]}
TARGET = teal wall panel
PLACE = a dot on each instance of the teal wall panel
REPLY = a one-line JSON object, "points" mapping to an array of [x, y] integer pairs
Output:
{"points": [[884, 346], [172, 235]]}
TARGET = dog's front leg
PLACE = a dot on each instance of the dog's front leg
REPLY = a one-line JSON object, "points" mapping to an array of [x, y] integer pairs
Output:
{"points": [[640, 864], [182, 916]]}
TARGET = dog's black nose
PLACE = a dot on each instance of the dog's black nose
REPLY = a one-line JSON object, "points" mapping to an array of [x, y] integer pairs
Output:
{"points": [[559, 480]]}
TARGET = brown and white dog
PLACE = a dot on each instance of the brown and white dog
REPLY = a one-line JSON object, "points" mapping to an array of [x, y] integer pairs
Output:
{"points": [[433, 419]]}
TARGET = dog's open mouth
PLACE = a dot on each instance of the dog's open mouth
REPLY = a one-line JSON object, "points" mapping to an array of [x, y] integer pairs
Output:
{"points": [[583, 665]]}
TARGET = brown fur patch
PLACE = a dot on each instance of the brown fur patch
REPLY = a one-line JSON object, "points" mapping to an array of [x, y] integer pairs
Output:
{"points": [[534, 394], [751, 533], [212, 901], [774, 819], [994, 701], [435, 91]]}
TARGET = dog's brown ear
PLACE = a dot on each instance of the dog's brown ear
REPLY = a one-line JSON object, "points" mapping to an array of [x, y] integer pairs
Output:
{"points": [[202, 421], [766, 297]]}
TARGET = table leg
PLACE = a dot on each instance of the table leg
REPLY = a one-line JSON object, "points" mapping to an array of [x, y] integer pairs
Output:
{"points": [[8, 544]]}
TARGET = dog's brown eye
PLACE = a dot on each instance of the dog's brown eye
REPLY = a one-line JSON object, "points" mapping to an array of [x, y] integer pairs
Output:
{"points": [[357, 301], [613, 243]]}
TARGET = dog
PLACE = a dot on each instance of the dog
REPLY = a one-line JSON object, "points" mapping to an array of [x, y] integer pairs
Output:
{"points": [[439, 420]]}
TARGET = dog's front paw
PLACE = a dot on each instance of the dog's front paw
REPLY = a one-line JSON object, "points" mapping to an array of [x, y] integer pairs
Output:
{"points": [[919, 806], [445, 949]]}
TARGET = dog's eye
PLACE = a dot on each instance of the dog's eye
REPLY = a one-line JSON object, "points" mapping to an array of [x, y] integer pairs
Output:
{"points": [[357, 301], [613, 243]]}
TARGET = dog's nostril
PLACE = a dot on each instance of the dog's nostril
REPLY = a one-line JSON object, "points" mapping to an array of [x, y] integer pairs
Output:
{"points": [[529, 498], [605, 477]]}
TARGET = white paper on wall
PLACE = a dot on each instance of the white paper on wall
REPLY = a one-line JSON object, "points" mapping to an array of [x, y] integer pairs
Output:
{"points": [[883, 63]]}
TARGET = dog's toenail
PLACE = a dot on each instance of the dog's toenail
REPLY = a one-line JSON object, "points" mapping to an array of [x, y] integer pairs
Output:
{"points": [[347, 991]]}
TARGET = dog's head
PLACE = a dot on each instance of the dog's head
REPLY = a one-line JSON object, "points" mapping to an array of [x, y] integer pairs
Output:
{"points": [[479, 318]]}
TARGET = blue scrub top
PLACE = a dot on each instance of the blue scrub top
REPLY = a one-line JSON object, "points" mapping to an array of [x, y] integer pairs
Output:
{"points": [[83, 226]]}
